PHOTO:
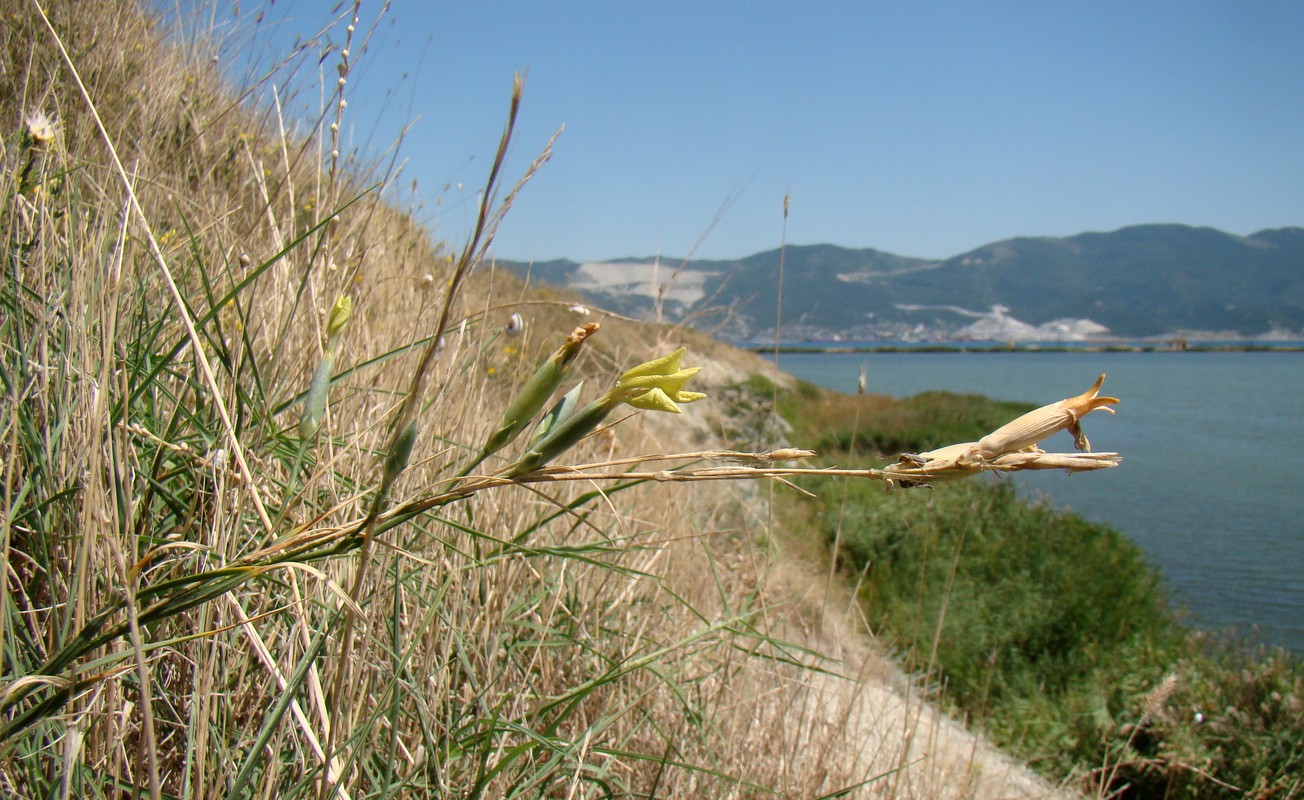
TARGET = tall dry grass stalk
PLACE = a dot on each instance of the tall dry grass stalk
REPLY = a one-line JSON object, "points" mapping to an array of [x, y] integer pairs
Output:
{"points": [[206, 595]]}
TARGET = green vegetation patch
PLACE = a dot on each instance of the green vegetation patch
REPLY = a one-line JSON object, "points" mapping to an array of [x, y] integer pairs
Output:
{"points": [[839, 424], [985, 577], [1052, 633]]}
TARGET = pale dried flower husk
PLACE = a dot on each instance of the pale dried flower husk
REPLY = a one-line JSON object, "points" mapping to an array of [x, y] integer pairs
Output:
{"points": [[1035, 426], [1013, 446]]}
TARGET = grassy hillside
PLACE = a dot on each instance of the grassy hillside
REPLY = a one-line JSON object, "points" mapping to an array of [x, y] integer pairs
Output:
{"points": [[279, 521], [275, 523]]}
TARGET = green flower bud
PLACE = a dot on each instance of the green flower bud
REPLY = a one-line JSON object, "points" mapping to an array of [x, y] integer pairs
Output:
{"points": [[656, 385], [399, 453], [563, 436], [537, 391], [559, 414], [314, 404]]}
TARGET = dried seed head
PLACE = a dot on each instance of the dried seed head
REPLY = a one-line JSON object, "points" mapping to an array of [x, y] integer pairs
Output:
{"points": [[788, 454], [1070, 462], [1031, 428], [944, 463], [582, 332], [40, 127], [1159, 696], [953, 454]]}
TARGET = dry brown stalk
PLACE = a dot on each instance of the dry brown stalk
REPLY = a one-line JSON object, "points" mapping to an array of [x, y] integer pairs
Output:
{"points": [[744, 466]]}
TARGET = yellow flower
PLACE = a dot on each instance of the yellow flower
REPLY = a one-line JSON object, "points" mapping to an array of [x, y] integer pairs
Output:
{"points": [[657, 385], [1033, 427]]}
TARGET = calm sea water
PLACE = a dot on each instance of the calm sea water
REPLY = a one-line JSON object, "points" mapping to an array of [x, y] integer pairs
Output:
{"points": [[1212, 482]]}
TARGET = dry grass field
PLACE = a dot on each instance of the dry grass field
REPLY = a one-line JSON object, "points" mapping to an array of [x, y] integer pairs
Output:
{"points": [[247, 548]]}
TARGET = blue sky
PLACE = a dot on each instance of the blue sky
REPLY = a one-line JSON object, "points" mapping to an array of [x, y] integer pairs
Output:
{"points": [[923, 129]]}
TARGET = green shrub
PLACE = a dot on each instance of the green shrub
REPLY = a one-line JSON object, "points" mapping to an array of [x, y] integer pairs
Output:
{"points": [[1052, 633], [836, 424], [1017, 598]]}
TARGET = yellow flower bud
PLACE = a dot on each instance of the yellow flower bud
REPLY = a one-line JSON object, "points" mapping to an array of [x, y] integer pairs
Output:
{"points": [[339, 316]]}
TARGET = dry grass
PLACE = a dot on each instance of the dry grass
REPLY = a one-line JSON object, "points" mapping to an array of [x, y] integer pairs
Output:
{"points": [[553, 640]]}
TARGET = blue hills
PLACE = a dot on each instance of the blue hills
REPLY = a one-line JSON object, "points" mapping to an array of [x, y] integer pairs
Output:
{"points": [[1136, 282]]}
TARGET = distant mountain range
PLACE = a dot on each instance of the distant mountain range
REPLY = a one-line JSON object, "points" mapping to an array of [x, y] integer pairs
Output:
{"points": [[1137, 282]]}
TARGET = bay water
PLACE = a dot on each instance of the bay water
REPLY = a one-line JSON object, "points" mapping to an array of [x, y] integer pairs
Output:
{"points": [[1212, 480]]}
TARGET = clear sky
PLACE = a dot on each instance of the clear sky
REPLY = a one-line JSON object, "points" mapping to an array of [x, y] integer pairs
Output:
{"points": [[924, 129]]}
